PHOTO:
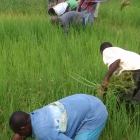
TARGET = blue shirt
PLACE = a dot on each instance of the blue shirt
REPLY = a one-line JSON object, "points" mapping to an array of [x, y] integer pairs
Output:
{"points": [[84, 113]]}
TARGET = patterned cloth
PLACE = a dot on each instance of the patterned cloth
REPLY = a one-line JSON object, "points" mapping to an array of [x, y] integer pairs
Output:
{"points": [[89, 5], [59, 115]]}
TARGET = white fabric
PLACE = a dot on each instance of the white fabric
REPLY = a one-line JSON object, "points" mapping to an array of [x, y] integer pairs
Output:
{"points": [[59, 115], [60, 8], [128, 60], [96, 9]]}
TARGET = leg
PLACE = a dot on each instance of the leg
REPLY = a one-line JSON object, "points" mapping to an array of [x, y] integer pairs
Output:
{"points": [[86, 16], [136, 99], [136, 95], [96, 10], [91, 18]]}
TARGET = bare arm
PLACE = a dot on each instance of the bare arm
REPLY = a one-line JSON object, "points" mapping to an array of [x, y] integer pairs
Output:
{"points": [[112, 68], [18, 137]]}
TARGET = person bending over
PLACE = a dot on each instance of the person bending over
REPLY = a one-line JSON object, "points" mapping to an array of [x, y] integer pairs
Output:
{"points": [[119, 60], [73, 18], [76, 117], [87, 8]]}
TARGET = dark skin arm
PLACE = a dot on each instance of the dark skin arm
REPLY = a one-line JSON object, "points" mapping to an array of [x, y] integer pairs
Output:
{"points": [[18, 137], [111, 70]]}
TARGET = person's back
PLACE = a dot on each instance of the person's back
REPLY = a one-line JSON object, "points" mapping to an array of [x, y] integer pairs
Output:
{"points": [[82, 108], [71, 17], [128, 60], [83, 112]]}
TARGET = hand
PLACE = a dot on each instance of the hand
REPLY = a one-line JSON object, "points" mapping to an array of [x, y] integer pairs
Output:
{"points": [[102, 87], [100, 93]]}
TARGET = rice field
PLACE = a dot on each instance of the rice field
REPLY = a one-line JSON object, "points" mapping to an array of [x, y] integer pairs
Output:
{"points": [[39, 64]]}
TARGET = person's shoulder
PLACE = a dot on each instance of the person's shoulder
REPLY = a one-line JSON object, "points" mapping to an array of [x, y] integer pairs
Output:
{"points": [[37, 111], [114, 48], [110, 51], [118, 49]]}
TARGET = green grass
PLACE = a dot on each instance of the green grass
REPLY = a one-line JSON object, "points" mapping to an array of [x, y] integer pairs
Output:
{"points": [[40, 65]]}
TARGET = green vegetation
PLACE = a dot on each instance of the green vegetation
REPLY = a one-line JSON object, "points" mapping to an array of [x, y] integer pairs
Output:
{"points": [[38, 64]]}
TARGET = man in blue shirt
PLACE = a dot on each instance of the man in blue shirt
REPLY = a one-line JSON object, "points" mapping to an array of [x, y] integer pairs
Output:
{"points": [[76, 117]]}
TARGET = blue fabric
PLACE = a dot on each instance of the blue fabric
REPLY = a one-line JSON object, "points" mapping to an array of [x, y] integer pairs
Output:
{"points": [[83, 22], [85, 113], [89, 17], [91, 135], [56, 111]]}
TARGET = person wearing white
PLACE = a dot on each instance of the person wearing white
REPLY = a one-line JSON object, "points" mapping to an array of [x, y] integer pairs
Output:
{"points": [[96, 10], [59, 9], [119, 60], [128, 60]]}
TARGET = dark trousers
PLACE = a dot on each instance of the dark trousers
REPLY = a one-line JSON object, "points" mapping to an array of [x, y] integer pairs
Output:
{"points": [[136, 94]]}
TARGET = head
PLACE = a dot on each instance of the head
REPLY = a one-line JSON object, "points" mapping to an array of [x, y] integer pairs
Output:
{"points": [[20, 123], [51, 11], [104, 46], [54, 19]]}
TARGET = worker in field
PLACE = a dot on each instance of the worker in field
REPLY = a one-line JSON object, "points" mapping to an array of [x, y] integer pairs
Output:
{"points": [[88, 8], [76, 117], [73, 18], [119, 60]]}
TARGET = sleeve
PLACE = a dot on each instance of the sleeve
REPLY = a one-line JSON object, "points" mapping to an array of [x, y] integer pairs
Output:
{"points": [[110, 56]]}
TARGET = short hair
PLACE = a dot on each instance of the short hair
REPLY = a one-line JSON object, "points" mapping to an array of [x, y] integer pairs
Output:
{"points": [[19, 119], [105, 45]]}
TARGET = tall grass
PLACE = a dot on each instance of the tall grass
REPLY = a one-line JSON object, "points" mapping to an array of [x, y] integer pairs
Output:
{"points": [[39, 64]]}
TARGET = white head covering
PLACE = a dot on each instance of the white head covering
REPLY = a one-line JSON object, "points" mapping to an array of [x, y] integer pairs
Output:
{"points": [[60, 8]]}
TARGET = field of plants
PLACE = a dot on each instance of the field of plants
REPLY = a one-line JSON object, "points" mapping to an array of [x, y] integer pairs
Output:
{"points": [[39, 64]]}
